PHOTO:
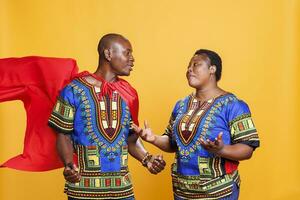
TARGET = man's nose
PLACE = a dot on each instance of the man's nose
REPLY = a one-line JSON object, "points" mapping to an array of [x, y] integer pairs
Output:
{"points": [[132, 58]]}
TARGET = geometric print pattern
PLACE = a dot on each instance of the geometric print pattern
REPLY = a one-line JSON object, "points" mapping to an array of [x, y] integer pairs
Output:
{"points": [[216, 175], [189, 122], [242, 130], [103, 123], [99, 185], [195, 187], [210, 111], [62, 117], [108, 110]]}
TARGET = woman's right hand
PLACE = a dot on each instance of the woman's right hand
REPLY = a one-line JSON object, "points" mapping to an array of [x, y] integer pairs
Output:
{"points": [[146, 133]]}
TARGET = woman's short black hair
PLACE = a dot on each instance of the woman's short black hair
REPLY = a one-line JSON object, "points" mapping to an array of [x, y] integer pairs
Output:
{"points": [[214, 58]]}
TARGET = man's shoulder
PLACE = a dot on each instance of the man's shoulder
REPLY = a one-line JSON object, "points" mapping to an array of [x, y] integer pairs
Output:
{"points": [[72, 84], [127, 84]]}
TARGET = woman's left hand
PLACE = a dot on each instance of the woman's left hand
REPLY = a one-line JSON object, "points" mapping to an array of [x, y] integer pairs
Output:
{"points": [[213, 146]]}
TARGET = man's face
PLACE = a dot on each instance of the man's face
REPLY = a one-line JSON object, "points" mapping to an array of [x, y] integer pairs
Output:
{"points": [[121, 57]]}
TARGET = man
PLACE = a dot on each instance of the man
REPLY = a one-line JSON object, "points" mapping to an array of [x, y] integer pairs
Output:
{"points": [[93, 116]]}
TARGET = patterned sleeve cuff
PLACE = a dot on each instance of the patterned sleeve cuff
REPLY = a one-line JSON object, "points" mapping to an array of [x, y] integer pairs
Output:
{"points": [[253, 144], [62, 117], [243, 131]]}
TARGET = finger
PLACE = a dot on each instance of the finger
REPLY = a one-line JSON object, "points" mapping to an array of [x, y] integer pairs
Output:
{"points": [[158, 169], [132, 126], [75, 168], [72, 178], [146, 124], [138, 130], [213, 145], [68, 167], [152, 170], [67, 171], [75, 175], [143, 133], [158, 165], [217, 141], [75, 179], [71, 173], [160, 157], [208, 142], [202, 142], [220, 136], [135, 128], [163, 163], [78, 178]]}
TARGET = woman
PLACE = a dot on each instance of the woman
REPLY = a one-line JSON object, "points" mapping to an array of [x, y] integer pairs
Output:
{"points": [[210, 131]]}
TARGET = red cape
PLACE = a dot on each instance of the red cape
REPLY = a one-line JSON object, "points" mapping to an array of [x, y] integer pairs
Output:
{"points": [[36, 81]]}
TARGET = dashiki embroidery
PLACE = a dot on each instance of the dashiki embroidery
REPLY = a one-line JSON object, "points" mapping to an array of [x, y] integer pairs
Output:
{"points": [[196, 173], [99, 126]]}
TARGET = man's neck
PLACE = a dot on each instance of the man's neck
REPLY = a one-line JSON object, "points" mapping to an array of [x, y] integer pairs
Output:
{"points": [[104, 71]]}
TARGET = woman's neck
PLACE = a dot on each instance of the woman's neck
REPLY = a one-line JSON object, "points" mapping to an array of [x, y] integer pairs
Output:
{"points": [[208, 92]]}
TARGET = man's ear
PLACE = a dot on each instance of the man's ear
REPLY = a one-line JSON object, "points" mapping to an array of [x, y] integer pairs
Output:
{"points": [[107, 54]]}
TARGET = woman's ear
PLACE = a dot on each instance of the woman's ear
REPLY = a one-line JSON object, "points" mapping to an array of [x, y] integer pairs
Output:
{"points": [[213, 69]]}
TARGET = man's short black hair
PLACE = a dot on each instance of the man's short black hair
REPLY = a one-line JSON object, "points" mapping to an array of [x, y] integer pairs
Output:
{"points": [[214, 59], [106, 40]]}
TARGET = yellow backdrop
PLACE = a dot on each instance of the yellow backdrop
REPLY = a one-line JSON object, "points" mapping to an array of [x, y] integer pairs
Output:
{"points": [[258, 41]]}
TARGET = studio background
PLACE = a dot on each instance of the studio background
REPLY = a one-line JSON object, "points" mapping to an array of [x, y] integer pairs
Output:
{"points": [[257, 40]]}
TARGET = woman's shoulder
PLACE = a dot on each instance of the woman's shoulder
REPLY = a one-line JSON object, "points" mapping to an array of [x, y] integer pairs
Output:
{"points": [[231, 99], [184, 100], [180, 103], [235, 107]]}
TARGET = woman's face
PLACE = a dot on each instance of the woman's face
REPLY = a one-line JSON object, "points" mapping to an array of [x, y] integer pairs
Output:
{"points": [[198, 72]]}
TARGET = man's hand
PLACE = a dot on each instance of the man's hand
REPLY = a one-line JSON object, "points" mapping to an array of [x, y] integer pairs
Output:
{"points": [[146, 133], [213, 146], [71, 173], [156, 164]]}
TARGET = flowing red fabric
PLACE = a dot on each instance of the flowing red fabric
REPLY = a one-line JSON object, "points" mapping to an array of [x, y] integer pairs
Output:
{"points": [[35, 81]]}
